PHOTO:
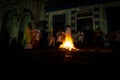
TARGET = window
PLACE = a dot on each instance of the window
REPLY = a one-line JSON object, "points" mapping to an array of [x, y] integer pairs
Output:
{"points": [[84, 14], [84, 20], [96, 9], [97, 23], [96, 16]]}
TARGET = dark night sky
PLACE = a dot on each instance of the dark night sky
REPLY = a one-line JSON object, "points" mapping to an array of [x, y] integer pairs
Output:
{"points": [[72, 2], [61, 4]]}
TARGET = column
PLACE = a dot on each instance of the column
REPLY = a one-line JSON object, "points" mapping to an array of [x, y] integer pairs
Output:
{"points": [[73, 19]]}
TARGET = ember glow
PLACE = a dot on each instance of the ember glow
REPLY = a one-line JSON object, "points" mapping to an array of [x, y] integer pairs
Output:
{"points": [[68, 41]]}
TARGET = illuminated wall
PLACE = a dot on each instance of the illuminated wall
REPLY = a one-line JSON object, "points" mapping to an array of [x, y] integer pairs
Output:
{"points": [[11, 12], [35, 11], [98, 15]]}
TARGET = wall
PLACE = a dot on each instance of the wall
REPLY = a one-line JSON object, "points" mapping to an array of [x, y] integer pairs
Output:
{"points": [[17, 8], [98, 15]]}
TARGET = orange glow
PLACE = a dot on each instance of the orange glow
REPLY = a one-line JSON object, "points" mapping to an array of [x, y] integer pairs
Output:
{"points": [[68, 42]]}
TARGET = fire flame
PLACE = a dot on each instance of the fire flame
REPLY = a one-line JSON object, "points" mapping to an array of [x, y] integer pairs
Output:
{"points": [[68, 42]]}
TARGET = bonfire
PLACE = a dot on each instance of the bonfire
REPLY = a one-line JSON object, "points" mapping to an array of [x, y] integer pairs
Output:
{"points": [[67, 43]]}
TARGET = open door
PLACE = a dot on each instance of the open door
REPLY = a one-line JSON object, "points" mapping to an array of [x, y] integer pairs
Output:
{"points": [[59, 22], [113, 18], [25, 18]]}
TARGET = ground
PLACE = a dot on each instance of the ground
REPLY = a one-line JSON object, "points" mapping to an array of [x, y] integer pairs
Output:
{"points": [[55, 64], [90, 57]]}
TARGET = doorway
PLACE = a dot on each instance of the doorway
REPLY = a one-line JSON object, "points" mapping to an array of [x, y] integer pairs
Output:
{"points": [[84, 20], [85, 23], [113, 18], [59, 22], [24, 20]]}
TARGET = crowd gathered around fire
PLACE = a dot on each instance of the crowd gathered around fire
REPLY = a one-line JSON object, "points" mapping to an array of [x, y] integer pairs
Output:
{"points": [[34, 38]]}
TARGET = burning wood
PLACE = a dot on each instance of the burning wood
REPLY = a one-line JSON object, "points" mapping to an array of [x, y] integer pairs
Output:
{"points": [[67, 43]]}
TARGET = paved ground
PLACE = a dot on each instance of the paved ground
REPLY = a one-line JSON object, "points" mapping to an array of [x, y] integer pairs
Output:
{"points": [[89, 57], [62, 65]]}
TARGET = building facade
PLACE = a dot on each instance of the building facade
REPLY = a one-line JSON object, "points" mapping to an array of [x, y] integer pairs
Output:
{"points": [[90, 16], [16, 14]]}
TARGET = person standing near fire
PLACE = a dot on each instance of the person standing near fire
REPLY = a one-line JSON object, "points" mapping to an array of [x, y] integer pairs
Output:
{"points": [[68, 30], [27, 37], [60, 37], [36, 33], [80, 38]]}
